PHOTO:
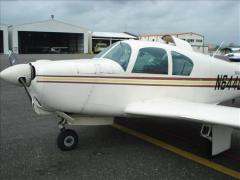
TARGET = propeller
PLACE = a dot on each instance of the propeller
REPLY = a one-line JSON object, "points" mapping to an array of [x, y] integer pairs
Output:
{"points": [[19, 74], [23, 82]]}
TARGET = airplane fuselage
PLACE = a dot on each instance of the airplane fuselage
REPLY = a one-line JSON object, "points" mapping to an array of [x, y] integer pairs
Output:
{"points": [[102, 87]]}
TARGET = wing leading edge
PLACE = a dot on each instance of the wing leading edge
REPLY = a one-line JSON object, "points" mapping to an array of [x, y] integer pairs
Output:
{"points": [[199, 112]]}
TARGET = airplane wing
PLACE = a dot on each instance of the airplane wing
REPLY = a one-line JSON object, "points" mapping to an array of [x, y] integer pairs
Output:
{"points": [[199, 112]]}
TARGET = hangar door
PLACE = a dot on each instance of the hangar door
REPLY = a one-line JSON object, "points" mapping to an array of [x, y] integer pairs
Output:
{"points": [[50, 42], [1, 41]]}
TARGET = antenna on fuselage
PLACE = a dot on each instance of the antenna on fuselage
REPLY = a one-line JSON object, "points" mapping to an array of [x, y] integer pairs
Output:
{"points": [[218, 48]]}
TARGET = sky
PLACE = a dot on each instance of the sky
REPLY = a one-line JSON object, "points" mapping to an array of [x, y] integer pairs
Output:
{"points": [[217, 20]]}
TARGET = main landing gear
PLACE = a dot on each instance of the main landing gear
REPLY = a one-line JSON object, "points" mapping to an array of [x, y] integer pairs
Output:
{"points": [[219, 136], [67, 139]]}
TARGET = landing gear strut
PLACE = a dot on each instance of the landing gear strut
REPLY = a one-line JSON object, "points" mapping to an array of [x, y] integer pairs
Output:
{"points": [[67, 139], [62, 123]]}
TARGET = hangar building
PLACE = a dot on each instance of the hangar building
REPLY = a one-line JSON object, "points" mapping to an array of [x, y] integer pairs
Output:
{"points": [[104, 39], [50, 36], [196, 40], [4, 39]]}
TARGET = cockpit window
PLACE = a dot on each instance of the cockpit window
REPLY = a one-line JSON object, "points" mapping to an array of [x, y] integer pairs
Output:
{"points": [[182, 65], [121, 54], [151, 60]]}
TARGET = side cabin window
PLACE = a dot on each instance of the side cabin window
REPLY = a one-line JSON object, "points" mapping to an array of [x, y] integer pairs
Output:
{"points": [[151, 60], [182, 65]]}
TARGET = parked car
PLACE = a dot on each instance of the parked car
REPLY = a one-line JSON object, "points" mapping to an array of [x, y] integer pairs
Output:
{"points": [[99, 47]]}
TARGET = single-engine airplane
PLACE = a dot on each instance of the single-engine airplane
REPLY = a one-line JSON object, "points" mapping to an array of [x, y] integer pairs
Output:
{"points": [[135, 78]]}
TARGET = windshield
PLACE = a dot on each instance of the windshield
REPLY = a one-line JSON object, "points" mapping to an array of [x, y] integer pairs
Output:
{"points": [[120, 54]]}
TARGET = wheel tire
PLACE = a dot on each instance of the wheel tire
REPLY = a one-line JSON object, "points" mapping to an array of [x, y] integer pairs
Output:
{"points": [[67, 140]]}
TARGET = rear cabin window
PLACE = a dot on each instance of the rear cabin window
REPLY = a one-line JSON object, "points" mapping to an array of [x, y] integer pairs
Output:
{"points": [[182, 65], [151, 60]]}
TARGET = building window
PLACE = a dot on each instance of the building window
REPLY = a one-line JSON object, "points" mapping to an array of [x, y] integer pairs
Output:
{"points": [[151, 60], [199, 40], [190, 40], [182, 65]]}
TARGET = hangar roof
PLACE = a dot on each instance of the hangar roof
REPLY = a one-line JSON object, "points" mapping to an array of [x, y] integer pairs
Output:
{"points": [[51, 25], [3, 27], [2, 24], [113, 35], [169, 33]]}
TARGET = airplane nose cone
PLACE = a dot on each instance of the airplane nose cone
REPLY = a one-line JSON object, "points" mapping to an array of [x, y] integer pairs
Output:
{"points": [[13, 73]]}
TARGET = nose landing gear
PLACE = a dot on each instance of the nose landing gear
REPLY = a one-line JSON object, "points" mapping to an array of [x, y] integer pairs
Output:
{"points": [[67, 139]]}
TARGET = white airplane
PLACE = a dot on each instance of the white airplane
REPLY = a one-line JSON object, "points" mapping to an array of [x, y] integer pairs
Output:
{"points": [[135, 78]]}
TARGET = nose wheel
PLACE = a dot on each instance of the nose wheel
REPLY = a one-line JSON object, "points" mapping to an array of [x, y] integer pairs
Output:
{"points": [[67, 139]]}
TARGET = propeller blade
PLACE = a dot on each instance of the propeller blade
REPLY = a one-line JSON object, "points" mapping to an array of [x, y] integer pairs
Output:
{"points": [[22, 81]]}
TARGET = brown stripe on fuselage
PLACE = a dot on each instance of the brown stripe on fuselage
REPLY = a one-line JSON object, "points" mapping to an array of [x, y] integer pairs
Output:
{"points": [[127, 84], [135, 77], [196, 82]]}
